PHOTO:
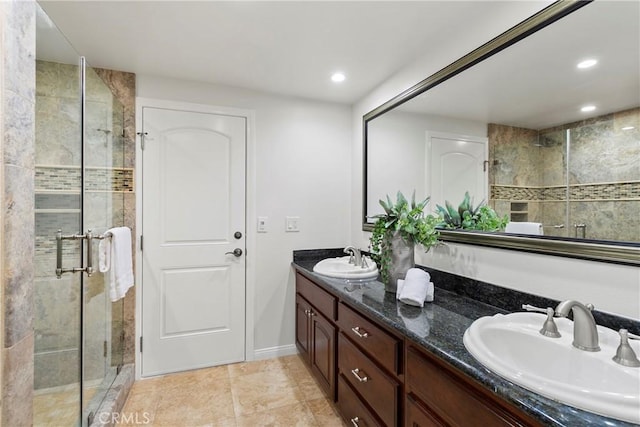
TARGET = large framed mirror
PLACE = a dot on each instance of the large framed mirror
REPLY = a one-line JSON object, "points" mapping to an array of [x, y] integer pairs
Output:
{"points": [[542, 123]]}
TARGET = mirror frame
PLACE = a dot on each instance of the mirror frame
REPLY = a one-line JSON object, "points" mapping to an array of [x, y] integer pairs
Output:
{"points": [[609, 251]]}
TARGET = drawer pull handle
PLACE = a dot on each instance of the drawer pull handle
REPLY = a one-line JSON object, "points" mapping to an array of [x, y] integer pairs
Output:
{"points": [[355, 421], [356, 373], [360, 332]]}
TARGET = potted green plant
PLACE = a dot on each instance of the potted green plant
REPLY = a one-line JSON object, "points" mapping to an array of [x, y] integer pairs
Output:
{"points": [[467, 217], [395, 234]]}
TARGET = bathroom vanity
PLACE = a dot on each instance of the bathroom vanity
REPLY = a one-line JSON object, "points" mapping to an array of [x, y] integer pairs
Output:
{"points": [[388, 364]]}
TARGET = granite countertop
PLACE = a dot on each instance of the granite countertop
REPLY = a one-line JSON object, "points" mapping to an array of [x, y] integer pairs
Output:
{"points": [[439, 328]]}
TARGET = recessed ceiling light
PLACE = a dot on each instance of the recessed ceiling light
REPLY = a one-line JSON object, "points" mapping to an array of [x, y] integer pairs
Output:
{"points": [[628, 128], [338, 77], [588, 108], [587, 63]]}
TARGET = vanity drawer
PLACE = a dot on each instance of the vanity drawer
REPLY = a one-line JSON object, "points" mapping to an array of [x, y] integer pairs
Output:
{"points": [[318, 297], [378, 389], [378, 343], [455, 399], [353, 411]]}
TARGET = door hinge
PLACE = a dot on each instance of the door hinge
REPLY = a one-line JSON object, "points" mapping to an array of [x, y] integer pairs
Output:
{"points": [[141, 242], [485, 165], [141, 135], [104, 349], [141, 344]]}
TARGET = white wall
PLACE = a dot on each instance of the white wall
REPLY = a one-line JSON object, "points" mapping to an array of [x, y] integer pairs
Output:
{"points": [[612, 288], [302, 161], [402, 136]]}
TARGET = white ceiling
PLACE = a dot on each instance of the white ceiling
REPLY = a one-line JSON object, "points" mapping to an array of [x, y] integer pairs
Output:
{"points": [[289, 48], [535, 83]]}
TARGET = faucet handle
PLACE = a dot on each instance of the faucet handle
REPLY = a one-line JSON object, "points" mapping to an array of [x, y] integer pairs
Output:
{"points": [[625, 355], [549, 328], [363, 262]]}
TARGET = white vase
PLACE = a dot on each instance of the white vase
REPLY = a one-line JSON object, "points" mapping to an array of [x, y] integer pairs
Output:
{"points": [[402, 259]]}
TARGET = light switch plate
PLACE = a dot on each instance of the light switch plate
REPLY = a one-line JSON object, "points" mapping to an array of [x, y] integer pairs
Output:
{"points": [[292, 224], [262, 224]]}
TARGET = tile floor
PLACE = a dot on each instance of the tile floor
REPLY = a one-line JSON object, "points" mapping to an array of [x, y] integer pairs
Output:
{"points": [[274, 392]]}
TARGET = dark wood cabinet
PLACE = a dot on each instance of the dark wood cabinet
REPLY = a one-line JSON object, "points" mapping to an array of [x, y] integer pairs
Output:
{"points": [[439, 395], [302, 327], [371, 338], [378, 390], [352, 408], [323, 353], [379, 377], [315, 334]]}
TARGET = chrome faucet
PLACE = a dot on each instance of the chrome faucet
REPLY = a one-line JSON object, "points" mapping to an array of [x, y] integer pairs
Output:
{"points": [[585, 333], [354, 254]]}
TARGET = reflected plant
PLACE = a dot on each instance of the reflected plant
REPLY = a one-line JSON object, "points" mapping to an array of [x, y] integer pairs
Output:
{"points": [[467, 217]]}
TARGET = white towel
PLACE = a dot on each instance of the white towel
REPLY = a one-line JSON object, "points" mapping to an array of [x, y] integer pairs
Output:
{"points": [[416, 288], [114, 254], [524, 228]]}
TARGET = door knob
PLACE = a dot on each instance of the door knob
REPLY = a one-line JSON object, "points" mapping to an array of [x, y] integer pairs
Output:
{"points": [[236, 252]]}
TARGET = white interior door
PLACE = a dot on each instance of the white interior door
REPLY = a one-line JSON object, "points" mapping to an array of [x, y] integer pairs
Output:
{"points": [[456, 165], [193, 218]]}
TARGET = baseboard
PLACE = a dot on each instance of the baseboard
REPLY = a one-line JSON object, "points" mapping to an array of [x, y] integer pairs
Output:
{"points": [[271, 352]]}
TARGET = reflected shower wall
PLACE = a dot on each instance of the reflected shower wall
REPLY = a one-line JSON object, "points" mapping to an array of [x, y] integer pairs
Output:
{"points": [[584, 173]]}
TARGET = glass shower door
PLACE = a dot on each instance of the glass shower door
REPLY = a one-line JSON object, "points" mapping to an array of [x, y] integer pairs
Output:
{"points": [[58, 205], [103, 209], [603, 172], [79, 186]]}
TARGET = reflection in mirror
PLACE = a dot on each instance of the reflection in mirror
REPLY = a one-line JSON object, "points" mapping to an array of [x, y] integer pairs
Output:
{"points": [[550, 161]]}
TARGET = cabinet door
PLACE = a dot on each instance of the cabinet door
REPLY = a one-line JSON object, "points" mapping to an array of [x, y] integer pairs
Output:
{"points": [[302, 328], [417, 416], [323, 353]]}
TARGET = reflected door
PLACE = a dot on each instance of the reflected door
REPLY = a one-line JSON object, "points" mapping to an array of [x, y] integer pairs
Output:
{"points": [[456, 165]]}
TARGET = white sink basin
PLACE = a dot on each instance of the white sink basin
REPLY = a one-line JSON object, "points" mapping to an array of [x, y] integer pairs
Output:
{"points": [[511, 346], [341, 269]]}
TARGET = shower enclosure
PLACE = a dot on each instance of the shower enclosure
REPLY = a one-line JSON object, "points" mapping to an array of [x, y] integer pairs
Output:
{"points": [[79, 186], [580, 180]]}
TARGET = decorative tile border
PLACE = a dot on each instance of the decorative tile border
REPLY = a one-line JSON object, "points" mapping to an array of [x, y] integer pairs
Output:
{"points": [[67, 178], [577, 192]]}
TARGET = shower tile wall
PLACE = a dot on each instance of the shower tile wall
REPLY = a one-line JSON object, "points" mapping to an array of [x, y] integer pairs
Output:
{"points": [[604, 174], [17, 106], [123, 86]]}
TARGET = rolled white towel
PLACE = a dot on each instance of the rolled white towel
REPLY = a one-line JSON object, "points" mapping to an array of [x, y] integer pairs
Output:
{"points": [[534, 228], [415, 288], [430, 291]]}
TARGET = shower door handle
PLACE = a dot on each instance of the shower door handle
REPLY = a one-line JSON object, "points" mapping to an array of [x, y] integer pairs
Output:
{"points": [[88, 236]]}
